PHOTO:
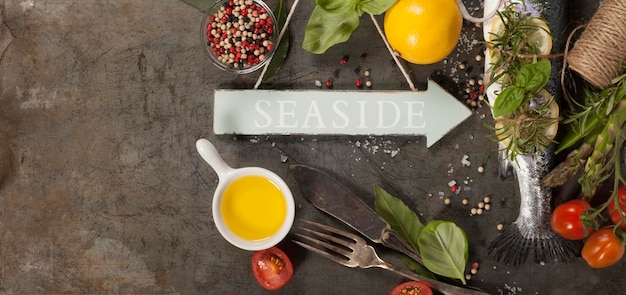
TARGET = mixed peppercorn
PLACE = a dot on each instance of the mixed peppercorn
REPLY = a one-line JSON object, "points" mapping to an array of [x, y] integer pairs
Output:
{"points": [[240, 33]]}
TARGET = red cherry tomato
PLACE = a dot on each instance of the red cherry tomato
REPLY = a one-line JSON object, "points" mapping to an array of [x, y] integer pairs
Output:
{"points": [[616, 214], [566, 221], [412, 288], [602, 249], [272, 268]]}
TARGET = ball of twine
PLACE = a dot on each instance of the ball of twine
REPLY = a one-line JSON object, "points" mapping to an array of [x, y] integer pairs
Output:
{"points": [[597, 55]]}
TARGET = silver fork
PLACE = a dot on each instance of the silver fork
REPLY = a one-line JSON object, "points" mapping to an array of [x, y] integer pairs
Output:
{"points": [[352, 251]]}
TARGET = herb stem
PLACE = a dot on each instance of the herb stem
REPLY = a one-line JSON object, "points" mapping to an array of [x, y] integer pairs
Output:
{"points": [[280, 37], [393, 54]]}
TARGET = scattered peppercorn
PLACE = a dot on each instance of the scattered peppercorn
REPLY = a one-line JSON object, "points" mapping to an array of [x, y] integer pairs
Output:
{"points": [[358, 83], [344, 60], [474, 92], [329, 83], [368, 83]]}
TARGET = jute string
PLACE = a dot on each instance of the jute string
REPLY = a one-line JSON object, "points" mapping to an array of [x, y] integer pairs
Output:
{"points": [[601, 48]]}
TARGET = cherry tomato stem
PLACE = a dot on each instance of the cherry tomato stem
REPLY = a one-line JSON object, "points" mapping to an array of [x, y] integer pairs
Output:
{"points": [[567, 220], [617, 207]]}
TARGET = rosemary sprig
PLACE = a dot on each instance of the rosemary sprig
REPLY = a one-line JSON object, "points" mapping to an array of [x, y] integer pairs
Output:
{"points": [[594, 111], [523, 118], [525, 128], [600, 124], [511, 49]]}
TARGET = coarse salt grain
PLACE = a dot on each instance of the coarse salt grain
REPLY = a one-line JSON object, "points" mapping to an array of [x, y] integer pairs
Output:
{"points": [[465, 161]]}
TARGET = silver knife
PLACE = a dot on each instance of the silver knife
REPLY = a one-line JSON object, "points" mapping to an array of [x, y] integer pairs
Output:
{"points": [[331, 196]]}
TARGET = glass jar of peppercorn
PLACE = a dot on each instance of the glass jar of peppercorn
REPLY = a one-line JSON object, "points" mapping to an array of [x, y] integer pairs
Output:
{"points": [[239, 36]]}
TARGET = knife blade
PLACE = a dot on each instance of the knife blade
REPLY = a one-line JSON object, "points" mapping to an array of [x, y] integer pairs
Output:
{"points": [[331, 196]]}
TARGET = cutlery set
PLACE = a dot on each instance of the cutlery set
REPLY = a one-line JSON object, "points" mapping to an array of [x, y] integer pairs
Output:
{"points": [[348, 249]]}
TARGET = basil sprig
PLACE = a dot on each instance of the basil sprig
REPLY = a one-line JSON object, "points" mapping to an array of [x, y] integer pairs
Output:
{"points": [[529, 80], [333, 21], [442, 244]]}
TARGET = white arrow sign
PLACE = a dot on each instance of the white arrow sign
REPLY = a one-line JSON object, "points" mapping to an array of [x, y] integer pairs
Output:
{"points": [[432, 113]]}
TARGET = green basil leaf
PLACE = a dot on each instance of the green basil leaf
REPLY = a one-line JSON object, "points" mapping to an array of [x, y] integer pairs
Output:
{"points": [[283, 47], [399, 216], [327, 29], [202, 5], [375, 7], [279, 58], [337, 6], [508, 100], [444, 249], [533, 77]]}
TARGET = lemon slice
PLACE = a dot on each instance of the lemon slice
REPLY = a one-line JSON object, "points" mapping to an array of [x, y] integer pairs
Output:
{"points": [[540, 37], [506, 134]]}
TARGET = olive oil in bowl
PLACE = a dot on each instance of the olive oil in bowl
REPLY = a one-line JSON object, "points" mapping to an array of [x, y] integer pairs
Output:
{"points": [[253, 207]]}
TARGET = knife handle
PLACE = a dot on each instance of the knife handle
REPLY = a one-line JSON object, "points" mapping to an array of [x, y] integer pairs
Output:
{"points": [[393, 240]]}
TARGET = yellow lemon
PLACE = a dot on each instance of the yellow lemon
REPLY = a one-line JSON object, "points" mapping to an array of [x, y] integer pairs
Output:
{"points": [[423, 31]]}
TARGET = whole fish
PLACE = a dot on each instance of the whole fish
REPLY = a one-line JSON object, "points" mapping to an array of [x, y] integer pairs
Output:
{"points": [[531, 232]]}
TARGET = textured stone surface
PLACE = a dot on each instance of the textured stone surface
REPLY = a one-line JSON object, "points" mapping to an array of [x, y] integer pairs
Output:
{"points": [[102, 191]]}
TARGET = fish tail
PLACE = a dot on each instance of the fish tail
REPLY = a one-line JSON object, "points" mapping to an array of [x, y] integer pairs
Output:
{"points": [[512, 247]]}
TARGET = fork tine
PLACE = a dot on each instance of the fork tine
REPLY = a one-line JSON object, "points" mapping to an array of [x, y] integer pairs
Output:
{"points": [[326, 244], [336, 231], [323, 253]]}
